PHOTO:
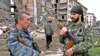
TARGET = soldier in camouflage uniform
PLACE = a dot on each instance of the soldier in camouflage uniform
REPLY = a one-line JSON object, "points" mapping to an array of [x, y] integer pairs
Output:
{"points": [[83, 40]]}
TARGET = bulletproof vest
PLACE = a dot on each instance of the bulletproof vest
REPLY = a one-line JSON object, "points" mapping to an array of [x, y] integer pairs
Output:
{"points": [[78, 31]]}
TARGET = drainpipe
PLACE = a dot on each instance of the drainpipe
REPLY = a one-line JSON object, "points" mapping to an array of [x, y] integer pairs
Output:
{"points": [[35, 13], [67, 9]]}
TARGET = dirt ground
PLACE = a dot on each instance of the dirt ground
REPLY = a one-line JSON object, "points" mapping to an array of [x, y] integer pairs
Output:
{"points": [[55, 47]]}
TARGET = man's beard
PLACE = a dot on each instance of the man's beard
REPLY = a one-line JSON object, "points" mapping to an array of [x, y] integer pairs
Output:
{"points": [[25, 28], [76, 20]]}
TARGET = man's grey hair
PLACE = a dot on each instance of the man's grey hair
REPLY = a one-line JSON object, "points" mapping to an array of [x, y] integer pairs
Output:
{"points": [[18, 15]]}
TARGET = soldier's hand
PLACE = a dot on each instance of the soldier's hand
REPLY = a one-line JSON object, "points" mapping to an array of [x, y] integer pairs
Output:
{"points": [[63, 31], [42, 53], [23, 41], [69, 52]]}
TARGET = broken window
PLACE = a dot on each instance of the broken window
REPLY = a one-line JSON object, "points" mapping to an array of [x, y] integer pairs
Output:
{"points": [[63, 17], [48, 0], [56, 16], [55, 11], [55, 5], [56, 1]]}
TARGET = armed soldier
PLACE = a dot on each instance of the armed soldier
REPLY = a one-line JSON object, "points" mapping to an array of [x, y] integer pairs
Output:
{"points": [[81, 41], [19, 42]]}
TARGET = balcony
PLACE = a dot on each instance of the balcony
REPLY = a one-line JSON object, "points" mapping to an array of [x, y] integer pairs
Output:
{"points": [[13, 6], [63, 1], [62, 19], [62, 12], [48, 5], [62, 6], [12, 13], [59, 1], [54, 1]]}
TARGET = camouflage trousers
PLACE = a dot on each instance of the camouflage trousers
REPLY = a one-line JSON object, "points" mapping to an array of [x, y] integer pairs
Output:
{"points": [[81, 54], [77, 54]]}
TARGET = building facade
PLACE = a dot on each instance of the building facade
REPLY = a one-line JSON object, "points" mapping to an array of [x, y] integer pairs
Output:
{"points": [[33, 7], [5, 8], [58, 9], [91, 20], [98, 24], [61, 9]]}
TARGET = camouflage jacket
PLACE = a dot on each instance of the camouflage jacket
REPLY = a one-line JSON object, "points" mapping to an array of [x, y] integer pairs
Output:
{"points": [[81, 35], [16, 47]]}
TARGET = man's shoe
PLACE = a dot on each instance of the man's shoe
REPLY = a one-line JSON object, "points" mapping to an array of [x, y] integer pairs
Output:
{"points": [[47, 47]]}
